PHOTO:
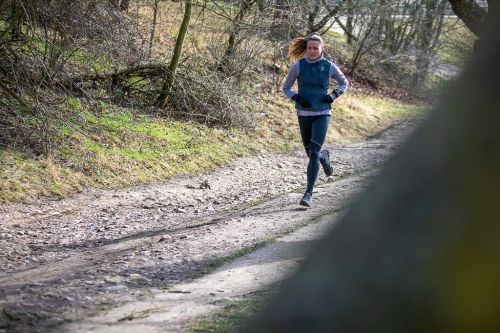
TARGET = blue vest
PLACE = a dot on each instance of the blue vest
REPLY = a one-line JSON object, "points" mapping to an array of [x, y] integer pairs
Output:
{"points": [[313, 82]]}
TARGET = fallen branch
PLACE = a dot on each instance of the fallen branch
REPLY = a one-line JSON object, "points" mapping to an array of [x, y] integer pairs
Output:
{"points": [[144, 71]]}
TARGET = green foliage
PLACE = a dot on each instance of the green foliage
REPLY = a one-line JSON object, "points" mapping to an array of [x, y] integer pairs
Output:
{"points": [[73, 56], [23, 177], [337, 36], [74, 104], [235, 316], [391, 108], [95, 63]]}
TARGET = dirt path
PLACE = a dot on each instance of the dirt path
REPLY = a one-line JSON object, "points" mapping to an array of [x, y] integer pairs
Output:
{"points": [[173, 310], [66, 260]]}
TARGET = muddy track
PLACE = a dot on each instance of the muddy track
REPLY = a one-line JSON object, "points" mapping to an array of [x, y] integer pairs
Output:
{"points": [[65, 260]]}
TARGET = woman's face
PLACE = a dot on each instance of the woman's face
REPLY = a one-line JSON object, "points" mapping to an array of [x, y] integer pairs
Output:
{"points": [[314, 49]]}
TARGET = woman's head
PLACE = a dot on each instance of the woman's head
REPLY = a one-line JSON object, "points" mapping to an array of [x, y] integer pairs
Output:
{"points": [[315, 37], [312, 46]]}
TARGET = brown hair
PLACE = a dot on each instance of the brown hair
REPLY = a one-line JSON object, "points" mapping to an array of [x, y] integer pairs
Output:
{"points": [[298, 46]]}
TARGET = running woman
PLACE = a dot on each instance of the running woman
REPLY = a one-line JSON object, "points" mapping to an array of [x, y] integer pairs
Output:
{"points": [[313, 102]]}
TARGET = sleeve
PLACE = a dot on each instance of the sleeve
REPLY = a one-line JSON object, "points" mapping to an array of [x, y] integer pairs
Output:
{"points": [[292, 76], [343, 84]]}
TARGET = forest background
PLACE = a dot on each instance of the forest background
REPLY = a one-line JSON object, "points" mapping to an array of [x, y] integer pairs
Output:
{"points": [[111, 93]]}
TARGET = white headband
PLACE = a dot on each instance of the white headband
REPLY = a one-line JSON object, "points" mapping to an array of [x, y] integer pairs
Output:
{"points": [[315, 38]]}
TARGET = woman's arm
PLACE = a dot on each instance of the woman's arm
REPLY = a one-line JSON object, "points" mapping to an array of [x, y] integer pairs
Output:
{"points": [[292, 76], [337, 74]]}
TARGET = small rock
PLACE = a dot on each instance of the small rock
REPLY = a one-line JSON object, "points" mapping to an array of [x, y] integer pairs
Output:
{"points": [[164, 238], [205, 185], [116, 287], [137, 277], [179, 292], [113, 279]]}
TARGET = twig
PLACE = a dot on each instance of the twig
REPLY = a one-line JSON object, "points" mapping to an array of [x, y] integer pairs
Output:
{"points": [[15, 96]]}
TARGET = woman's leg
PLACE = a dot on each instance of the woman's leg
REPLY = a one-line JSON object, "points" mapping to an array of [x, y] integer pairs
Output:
{"points": [[319, 128], [305, 125]]}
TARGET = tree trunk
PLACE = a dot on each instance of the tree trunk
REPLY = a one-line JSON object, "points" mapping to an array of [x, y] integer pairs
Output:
{"points": [[383, 13], [427, 39], [312, 17], [153, 27], [15, 20], [347, 32], [332, 12], [423, 43], [361, 47], [169, 80], [416, 18], [349, 21], [470, 13]]}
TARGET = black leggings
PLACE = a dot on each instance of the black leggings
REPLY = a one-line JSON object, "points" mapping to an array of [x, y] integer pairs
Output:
{"points": [[313, 130]]}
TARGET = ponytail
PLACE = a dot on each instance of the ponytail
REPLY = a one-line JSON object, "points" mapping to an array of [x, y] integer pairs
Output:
{"points": [[297, 49]]}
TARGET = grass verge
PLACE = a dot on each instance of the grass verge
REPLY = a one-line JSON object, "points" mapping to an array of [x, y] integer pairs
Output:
{"points": [[110, 147]]}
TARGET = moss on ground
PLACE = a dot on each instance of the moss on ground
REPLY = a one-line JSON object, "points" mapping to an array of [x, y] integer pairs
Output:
{"points": [[235, 316]]}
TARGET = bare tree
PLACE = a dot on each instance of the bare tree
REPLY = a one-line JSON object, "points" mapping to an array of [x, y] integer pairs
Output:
{"points": [[167, 85], [235, 29], [44, 46], [364, 37], [321, 15], [400, 25], [153, 26], [401, 35], [428, 35]]}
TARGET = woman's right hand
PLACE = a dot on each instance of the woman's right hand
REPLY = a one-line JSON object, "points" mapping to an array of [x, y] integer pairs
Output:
{"points": [[301, 100]]}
